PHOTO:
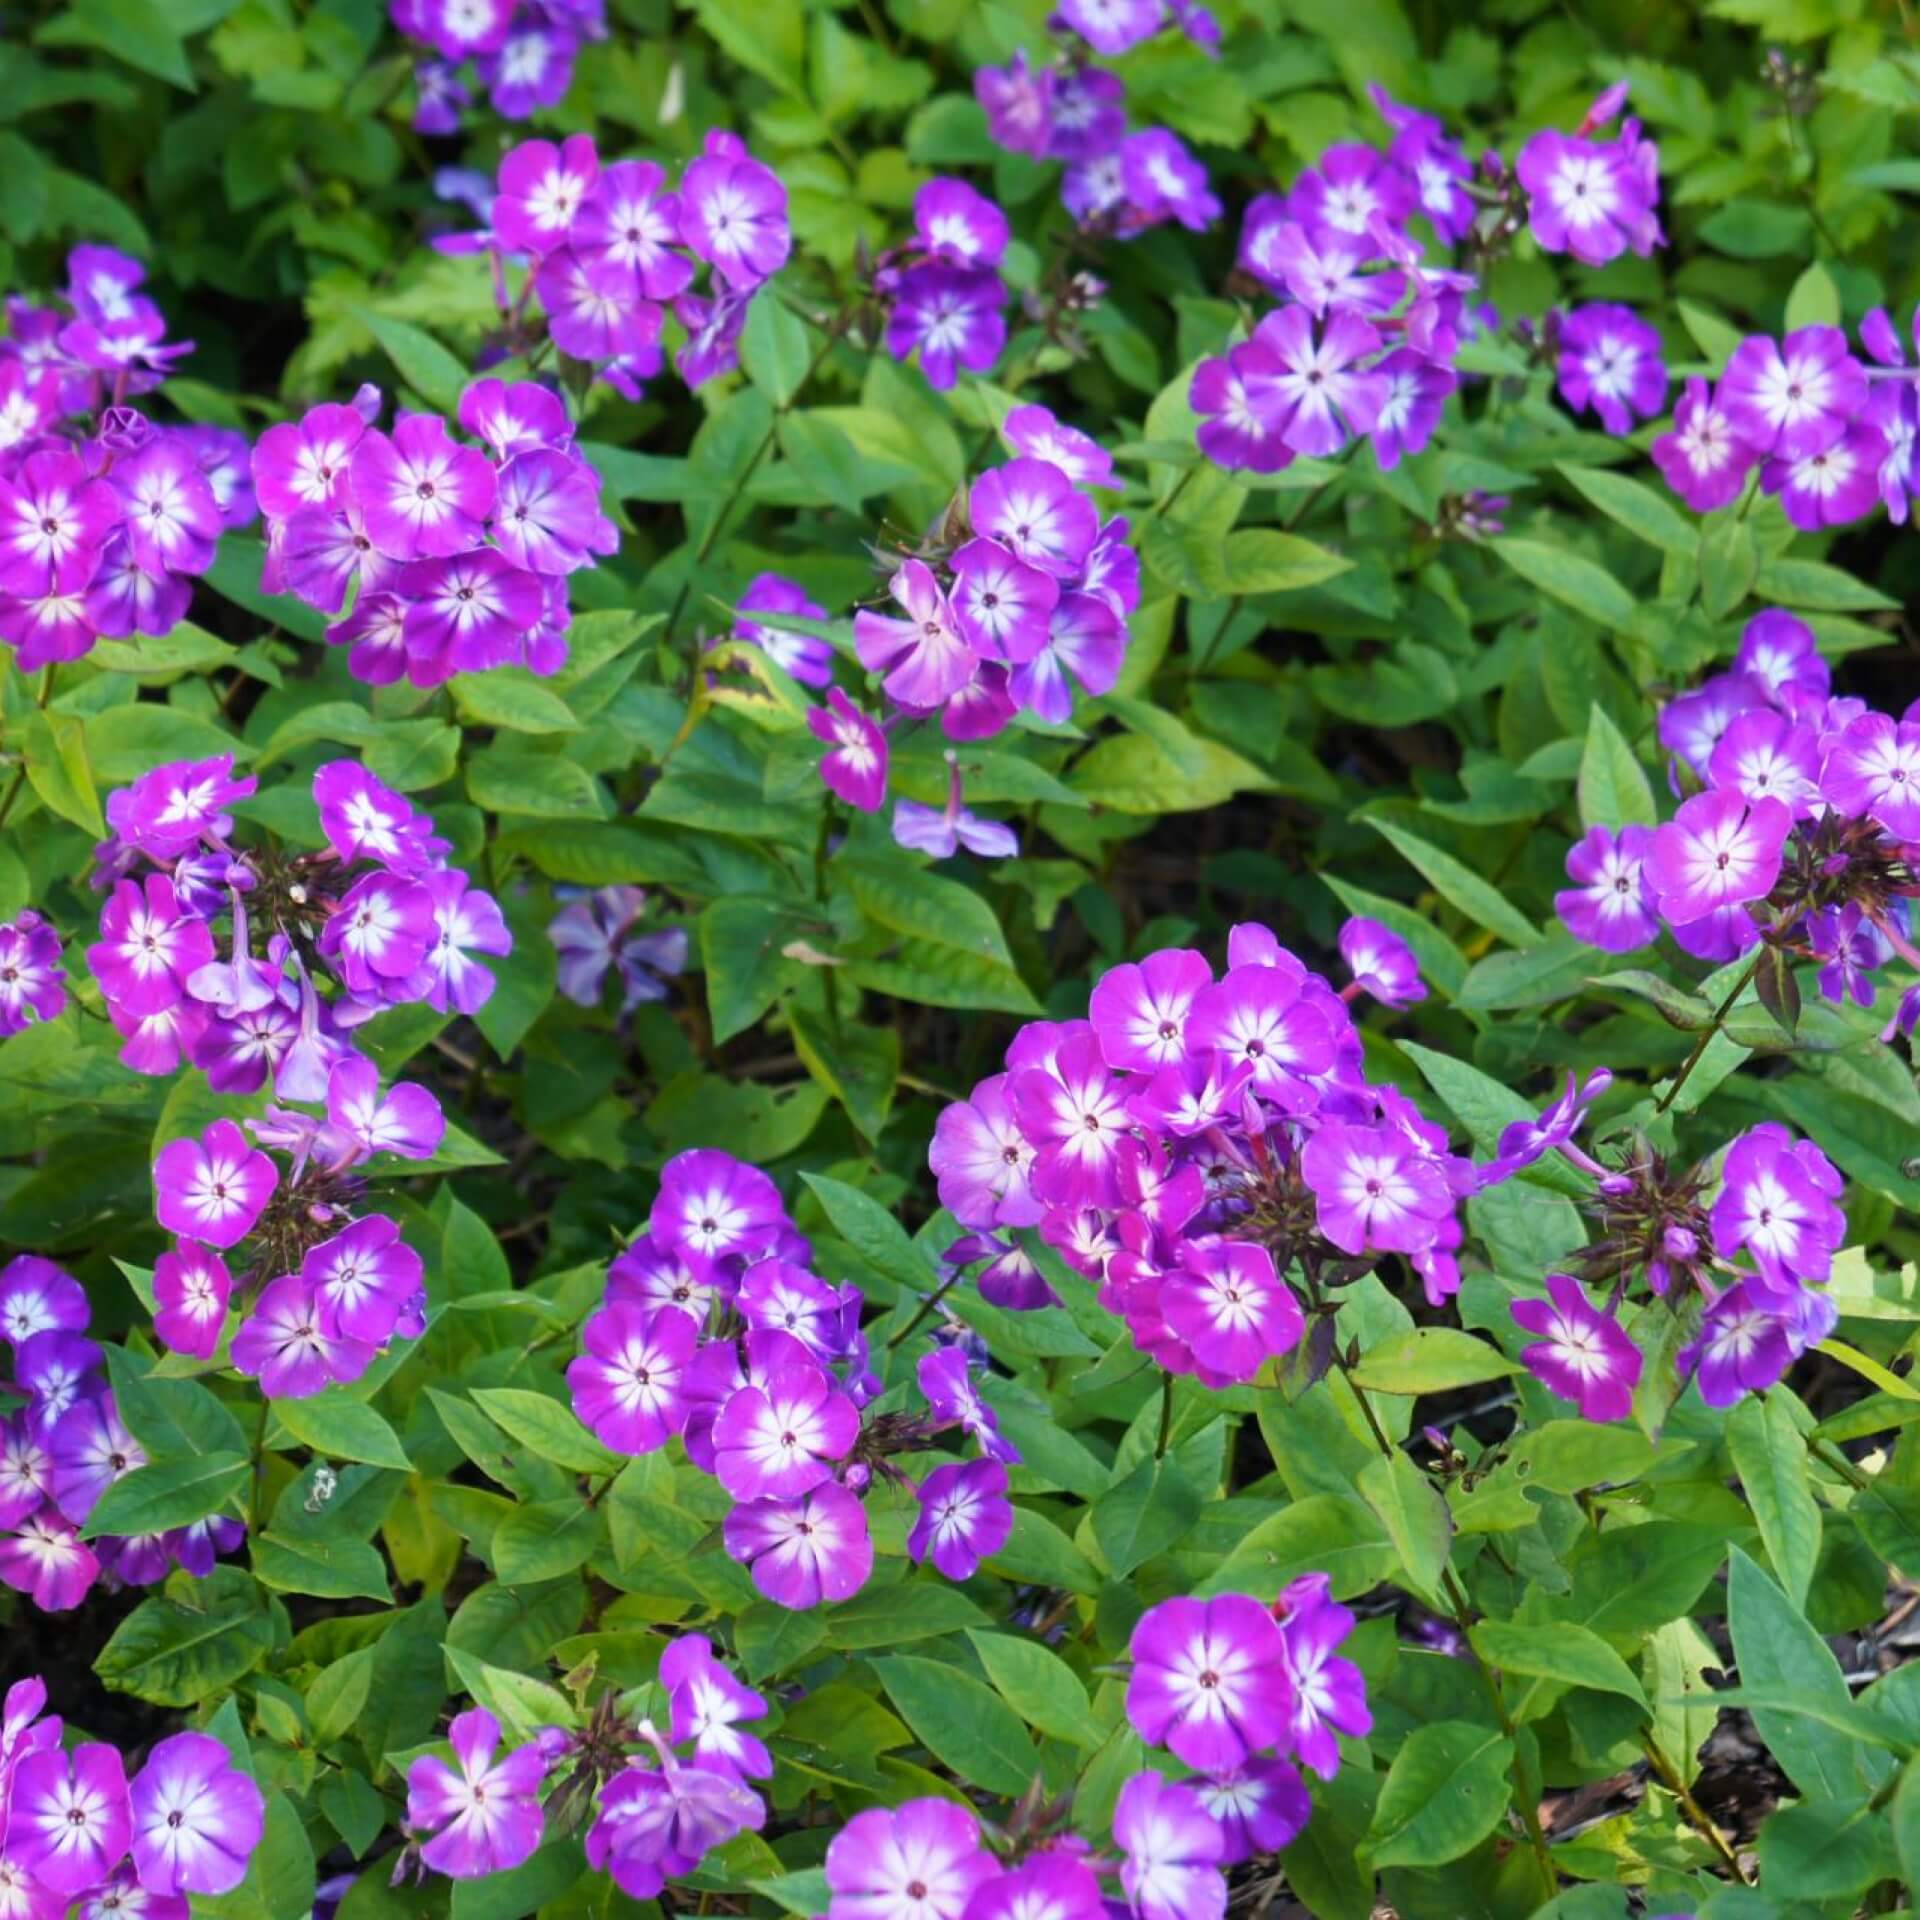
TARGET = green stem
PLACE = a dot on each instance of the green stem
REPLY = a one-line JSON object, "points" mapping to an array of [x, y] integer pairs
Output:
{"points": [[1700, 1046], [1166, 1415], [257, 1484], [927, 1305], [1691, 1810], [20, 772]]}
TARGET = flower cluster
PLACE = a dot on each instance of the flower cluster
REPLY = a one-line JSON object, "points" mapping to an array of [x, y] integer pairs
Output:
{"points": [[80, 1833], [599, 933], [61, 1450], [607, 250], [714, 1329], [944, 296], [377, 915], [1117, 182], [444, 558], [105, 515], [1007, 604], [658, 1813], [523, 50], [31, 976]]}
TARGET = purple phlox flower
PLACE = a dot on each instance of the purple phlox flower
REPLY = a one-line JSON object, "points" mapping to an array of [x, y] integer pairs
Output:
{"points": [[91, 1449], [1075, 1115], [483, 1813], [533, 68], [1001, 605], [1744, 1345], [629, 221], [1238, 430], [801, 1552], [547, 516], [283, 1345], [1032, 508], [1260, 1014], [958, 225], [650, 1276], [1141, 1011], [713, 335], [1586, 198], [1163, 181], [1835, 484], [1259, 1808], [321, 552], [942, 832], [1051, 1885], [1085, 639], [1779, 651], [1526, 1141], [542, 188], [1719, 850], [1610, 361], [169, 810], [363, 1279], [465, 922], [855, 765], [148, 948], [1328, 1692], [628, 1382], [1209, 1680], [1690, 727], [468, 612], [733, 214], [1034, 431], [379, 933], [1382, 964], [1310, 384], [1764, 755], [196, 1817], [172, 519], [1582, 1354], [191, 1289], [58, 1369], [1018, 102], [945, 1378], [965, 1517], [982, 1161], [68, 1818], [46, 1560], [460, 28], [656, 1823], [1433, 164], [922, 1860], [924, 657], [1853, 949], [1191, 1096], [1704, 458], [1348, 188], [1087, 115], [954, 316], [808, 659], [1172, 1850], [26, 1478], [1774, 1203], [1111, 27], [594, 934], [29, 404], [212, 1189], [592, 309], [1892, 414], [779, 1439], [1231, 1309], [1793, 397], [1874, 771], [515, 417], [716, 1206], [1610, 905], [707, 1703], [1376, 1190], [38, 1297], [421, 492], [439, 97]]}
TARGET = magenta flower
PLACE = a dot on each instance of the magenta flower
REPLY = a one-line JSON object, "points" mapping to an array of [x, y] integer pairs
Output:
{"points": [[305, 463], [801, 1552], [91, 1450], [547, 516], [26, 1471], [516, 416], [1231, 1309], [655, 1823], [485, 1816], [1030, 507], [1875, 771], [707, 1704], [1171, 1851], [379, 932], [1163, 181], [1744, 1346], [1311, 386], [363, 1279], [1076, 1116], [147, 947], [1001, 605], [423, 494], [629, 223], [855, 764], [779, 1439], [364, 819], [38, 1297], [465, 922], [1691, 726], [54, 519], [808, 659], [1376, 1190], [1704, 458], [1111, 27], [650, 1276], [629, 1382], [1794, 397], [1052, 1885], [1610, 361], [213, 1189], [595, 935], [542, 188], [1779, 1205], [1582, 1355], [592, 309], [1382, 964], [1778, 650], [925, 657], [1086, 112], [1833, 485], [46, 1560], [1259, 1808], [965, 1517], [1414, 392], [57, 1369], [1766, 756], [1585, 198], [1258, 1014], [533, 68], [284, 1346], [1610, 905], [1350, 188], [191, 1288], [733, 214], [1033, 430], [1328, 1692], [1238, 431], [982, 1160], [1208, 1680], [406, 1120], [1717, 851], [68, 1822], [1018, 102], [467, 613], [943, 831], [921, 1860], [716, 1206], [1141, 1012], [954, 317], [196, 1818]]}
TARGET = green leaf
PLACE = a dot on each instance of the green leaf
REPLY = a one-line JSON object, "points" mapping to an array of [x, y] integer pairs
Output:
{"points": [[1415, 1518], [951, 951], [436, 375], [1729, 565], [1780, 1653], [518, 1701], [964, 1725], [1430, 1360], [511, 698], [1152, 1509], [1572, 1655], [169, 1493], [774, 348], [1259, 560], [179, 1652], [1569, 578], [1635, 506], [1039, 1686], [1038, 1554], [1613, 789], [56, 750], [338, 1693], [874, 1234], [536, 1884], [1813, 584], [333, 1569], [1484, 1107], [1484, 904], [1770, 1455], [544, 1539], [1820, 1849], [1447, 1789], [512, 779], [1905, 1816], [280, 1874], [1814, 301], [741, 950], [1326, 1533], [858, 1064], [548, 1427], [340, 1428]]}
